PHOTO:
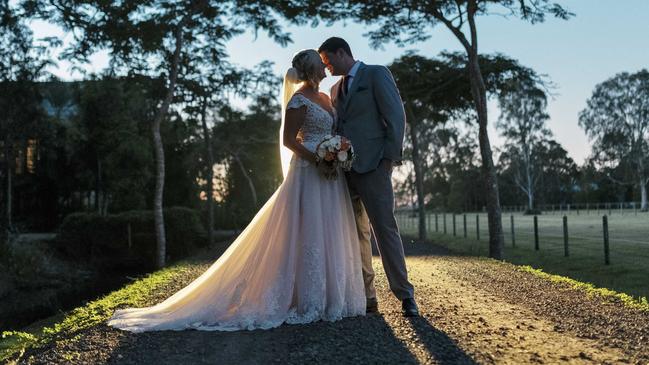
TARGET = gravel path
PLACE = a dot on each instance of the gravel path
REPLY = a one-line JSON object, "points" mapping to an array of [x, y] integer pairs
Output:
{"points": [[473, 311]]}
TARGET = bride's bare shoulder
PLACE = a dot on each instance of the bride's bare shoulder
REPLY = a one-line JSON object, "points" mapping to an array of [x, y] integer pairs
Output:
{"points": [[325, 96]]}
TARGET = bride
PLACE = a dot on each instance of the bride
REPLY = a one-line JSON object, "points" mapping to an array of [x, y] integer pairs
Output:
{"points": [[298, 261]]}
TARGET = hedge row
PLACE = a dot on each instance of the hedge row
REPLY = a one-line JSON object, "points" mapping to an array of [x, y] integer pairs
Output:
{"points": [[104, 240]]}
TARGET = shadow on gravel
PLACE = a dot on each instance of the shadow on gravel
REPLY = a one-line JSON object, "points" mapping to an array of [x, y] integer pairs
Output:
{"points": [[441, 347], [356, 340]]}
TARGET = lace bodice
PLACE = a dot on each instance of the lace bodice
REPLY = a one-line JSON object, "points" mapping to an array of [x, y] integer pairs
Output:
{"points": [[317, 123]]}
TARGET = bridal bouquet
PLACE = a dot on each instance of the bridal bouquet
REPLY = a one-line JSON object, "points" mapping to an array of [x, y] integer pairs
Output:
{"points": [[333, 152]]}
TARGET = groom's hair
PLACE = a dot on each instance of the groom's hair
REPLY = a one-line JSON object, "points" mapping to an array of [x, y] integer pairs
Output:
{"points": [[333, 44]]}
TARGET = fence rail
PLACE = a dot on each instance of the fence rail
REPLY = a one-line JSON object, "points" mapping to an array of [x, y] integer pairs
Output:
{"points": [[607, 238], [608, 208]]}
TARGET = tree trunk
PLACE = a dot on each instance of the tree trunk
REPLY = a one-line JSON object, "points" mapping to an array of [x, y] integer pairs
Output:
{"points": [[530, 188], [643, 194], [97, 186], [529, 180], [105, 202], [9, 164], [419, 174], [479, 93], [478, 89], [209, 156], [251, 185], [158, 216]]}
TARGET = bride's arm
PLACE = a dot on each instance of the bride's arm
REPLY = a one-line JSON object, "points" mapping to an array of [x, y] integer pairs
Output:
{"points": [[292, 124]]}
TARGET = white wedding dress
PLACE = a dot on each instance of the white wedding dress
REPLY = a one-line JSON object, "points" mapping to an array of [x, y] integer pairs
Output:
{"points": [[298, 261]]}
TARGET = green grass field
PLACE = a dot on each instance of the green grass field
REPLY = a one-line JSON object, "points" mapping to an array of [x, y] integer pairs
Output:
{"points": [[628, 271]]}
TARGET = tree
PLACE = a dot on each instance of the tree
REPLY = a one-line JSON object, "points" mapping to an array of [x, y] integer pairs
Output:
{"points": [[252, 167], [110, 144], [207, 93], [160, 39], [522, 122], [463, 173], [438, 90], [22, 62], [432, 91], [596, 185], [616, 118], [406, 22], [560, 174]]}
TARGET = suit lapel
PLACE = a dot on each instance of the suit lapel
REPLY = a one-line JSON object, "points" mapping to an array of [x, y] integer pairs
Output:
{"points": [[337, 96], [352, 88]]}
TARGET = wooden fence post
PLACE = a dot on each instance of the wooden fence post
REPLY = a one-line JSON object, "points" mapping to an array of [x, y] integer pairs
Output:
{"points": [[513, 231], [465, 225], [536, 233], [436, 223], [444, 221], [454, 229], [607, 260], [565, 236]]}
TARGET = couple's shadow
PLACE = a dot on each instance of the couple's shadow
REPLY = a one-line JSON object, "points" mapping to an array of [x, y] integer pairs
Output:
{"points": [[439, 347], [360, 340]]}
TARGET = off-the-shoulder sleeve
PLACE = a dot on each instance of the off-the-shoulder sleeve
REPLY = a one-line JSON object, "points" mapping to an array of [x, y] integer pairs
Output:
{"points": [[297, 101]]}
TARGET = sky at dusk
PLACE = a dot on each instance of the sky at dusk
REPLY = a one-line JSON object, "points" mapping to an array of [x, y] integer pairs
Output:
{"points": [[604, 38]]}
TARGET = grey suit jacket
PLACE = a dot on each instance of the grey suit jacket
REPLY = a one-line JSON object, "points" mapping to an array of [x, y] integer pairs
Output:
{"points": [[371, 116]]}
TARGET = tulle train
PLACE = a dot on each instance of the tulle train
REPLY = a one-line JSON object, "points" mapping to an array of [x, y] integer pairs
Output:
{"points": [[298, 261]]}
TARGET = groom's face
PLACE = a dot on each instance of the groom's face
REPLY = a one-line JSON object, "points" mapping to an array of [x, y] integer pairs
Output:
{"points": [[333, 62]]}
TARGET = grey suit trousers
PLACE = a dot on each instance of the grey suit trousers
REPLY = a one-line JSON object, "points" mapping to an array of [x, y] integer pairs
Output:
{"points": [[373, 199]]}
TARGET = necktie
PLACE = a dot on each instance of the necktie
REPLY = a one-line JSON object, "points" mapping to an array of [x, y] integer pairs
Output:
{"points": [[346, 81]]}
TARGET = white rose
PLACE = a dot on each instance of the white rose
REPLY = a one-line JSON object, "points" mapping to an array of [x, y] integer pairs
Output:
{"points": [[342, 156], [321, 153]]}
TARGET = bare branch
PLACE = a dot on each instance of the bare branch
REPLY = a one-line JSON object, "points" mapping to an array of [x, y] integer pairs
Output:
{"points": [[456, 31]]}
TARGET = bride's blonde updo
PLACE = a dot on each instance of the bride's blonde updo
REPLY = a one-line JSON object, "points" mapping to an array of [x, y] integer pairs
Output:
{"points": [[305, 68]]}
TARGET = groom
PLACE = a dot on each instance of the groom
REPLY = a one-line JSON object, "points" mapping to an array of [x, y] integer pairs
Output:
{"points": [[371, 115]]}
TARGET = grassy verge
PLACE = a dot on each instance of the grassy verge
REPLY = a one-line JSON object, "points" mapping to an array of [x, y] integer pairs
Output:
{"points": [[146, 291], [639, 303], [625, 279], [140, 293]]}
